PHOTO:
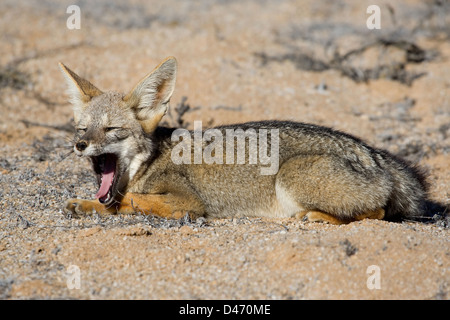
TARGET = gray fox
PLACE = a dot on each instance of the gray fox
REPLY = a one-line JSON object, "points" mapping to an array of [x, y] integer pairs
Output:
{"points": [[320, 174]]}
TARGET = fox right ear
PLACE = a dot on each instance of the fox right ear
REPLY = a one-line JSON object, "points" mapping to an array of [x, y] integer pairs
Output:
{"points": [[150, 97], [80, 90]]}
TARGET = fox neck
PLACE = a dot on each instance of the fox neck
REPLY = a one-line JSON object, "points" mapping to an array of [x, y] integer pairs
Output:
{"points": [[134, 162]]}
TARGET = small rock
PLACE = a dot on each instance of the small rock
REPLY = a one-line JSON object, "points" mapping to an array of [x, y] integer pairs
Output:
{"points": [[186, 230], [89, 232], [133, 232]]}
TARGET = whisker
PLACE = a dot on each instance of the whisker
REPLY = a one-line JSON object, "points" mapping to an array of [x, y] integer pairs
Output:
{"points": [[65, 156]]}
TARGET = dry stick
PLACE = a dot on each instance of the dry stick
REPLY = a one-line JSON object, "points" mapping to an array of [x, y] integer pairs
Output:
{"points": [[36, 55], [68, 127]]}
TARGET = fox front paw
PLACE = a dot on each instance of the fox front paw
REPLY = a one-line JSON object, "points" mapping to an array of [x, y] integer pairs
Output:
{"points": [[77, 208]]}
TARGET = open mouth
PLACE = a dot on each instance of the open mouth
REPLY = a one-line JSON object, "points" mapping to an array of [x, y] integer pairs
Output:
{"points": [[106, 168]]}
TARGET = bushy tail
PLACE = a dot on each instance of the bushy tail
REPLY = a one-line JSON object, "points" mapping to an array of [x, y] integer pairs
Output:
{"points": [[408, 199]]}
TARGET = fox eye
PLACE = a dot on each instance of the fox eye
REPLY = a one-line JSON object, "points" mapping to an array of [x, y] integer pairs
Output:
{"points": [[108, 129]]}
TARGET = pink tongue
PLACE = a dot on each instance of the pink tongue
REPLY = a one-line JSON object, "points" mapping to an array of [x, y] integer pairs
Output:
{"points": [[107, 180]]}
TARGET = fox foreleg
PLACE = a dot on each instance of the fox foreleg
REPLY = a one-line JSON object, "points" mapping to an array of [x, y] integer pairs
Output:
{"points": [[163, 205]]}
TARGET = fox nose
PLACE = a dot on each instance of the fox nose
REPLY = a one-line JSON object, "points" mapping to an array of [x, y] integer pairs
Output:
{"points": [[81, 145]]}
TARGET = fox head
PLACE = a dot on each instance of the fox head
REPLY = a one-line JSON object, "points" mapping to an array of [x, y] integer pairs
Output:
{"points": [[113, 129]]}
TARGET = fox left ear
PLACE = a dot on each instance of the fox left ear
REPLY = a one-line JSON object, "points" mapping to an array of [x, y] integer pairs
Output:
{"points": [[150, 97], [81, 91]]}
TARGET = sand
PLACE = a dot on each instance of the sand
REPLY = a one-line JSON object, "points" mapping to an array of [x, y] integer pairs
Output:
{"points": [[310, 61]]}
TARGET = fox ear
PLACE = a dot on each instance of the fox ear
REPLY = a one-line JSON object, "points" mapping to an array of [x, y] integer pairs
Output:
{"points": [[80, 90], [150, 97]]}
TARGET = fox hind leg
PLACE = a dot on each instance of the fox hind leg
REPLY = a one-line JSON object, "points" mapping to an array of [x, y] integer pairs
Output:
{"points": [[319, 216], [328, 190], [373, 214]]}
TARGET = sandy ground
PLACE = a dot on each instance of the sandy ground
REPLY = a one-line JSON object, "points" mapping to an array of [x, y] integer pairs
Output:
{"points": [[308, 61]]}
